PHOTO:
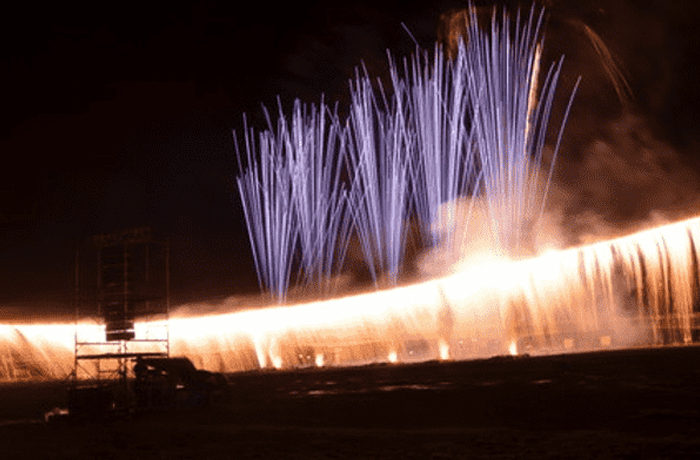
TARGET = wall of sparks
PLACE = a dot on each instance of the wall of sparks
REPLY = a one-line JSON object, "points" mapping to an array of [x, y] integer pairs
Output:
{"points": [[638, 290], [468, 131]]}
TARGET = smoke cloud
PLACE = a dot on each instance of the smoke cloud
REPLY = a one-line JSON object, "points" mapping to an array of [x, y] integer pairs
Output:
{"points": [[624, 177]]}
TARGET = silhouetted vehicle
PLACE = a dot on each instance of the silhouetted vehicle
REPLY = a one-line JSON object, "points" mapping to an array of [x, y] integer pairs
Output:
{"points": [[175, 383], [159, 384]]}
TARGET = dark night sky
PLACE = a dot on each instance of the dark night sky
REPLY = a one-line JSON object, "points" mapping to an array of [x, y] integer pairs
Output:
{"points": [[120, 116]]}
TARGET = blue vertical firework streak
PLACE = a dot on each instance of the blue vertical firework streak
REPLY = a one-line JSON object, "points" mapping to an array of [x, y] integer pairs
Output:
{"points": [[471, 126]]}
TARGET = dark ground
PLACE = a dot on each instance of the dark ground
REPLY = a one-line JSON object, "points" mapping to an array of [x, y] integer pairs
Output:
{"points": [[619, 404]]}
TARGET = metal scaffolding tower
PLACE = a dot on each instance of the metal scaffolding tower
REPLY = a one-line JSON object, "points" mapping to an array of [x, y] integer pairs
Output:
{"points": [[122, 304]]}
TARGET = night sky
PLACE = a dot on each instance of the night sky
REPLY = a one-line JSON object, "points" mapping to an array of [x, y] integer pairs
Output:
{"points": [[121, 116]]}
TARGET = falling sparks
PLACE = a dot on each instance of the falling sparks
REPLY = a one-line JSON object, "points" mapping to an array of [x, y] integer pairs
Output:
{"points": [[637, 290], [634, 290]]}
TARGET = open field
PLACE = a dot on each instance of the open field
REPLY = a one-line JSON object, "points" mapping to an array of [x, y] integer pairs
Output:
{"points": [[615, 404]]}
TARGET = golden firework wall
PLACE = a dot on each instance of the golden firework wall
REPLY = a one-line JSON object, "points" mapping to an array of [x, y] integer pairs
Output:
{"points": [[638, 290]]}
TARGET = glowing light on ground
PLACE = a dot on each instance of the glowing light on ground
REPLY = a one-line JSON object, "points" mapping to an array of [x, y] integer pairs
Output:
{"points": [[443, 350], [513, 349]]}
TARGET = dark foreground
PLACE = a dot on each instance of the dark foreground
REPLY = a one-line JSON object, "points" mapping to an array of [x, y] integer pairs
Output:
{"points": [[623, 404]]}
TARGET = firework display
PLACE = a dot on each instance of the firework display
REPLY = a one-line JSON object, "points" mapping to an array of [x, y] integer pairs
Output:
{"points": [[469, 127], [456, 146], [637, 290]]}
